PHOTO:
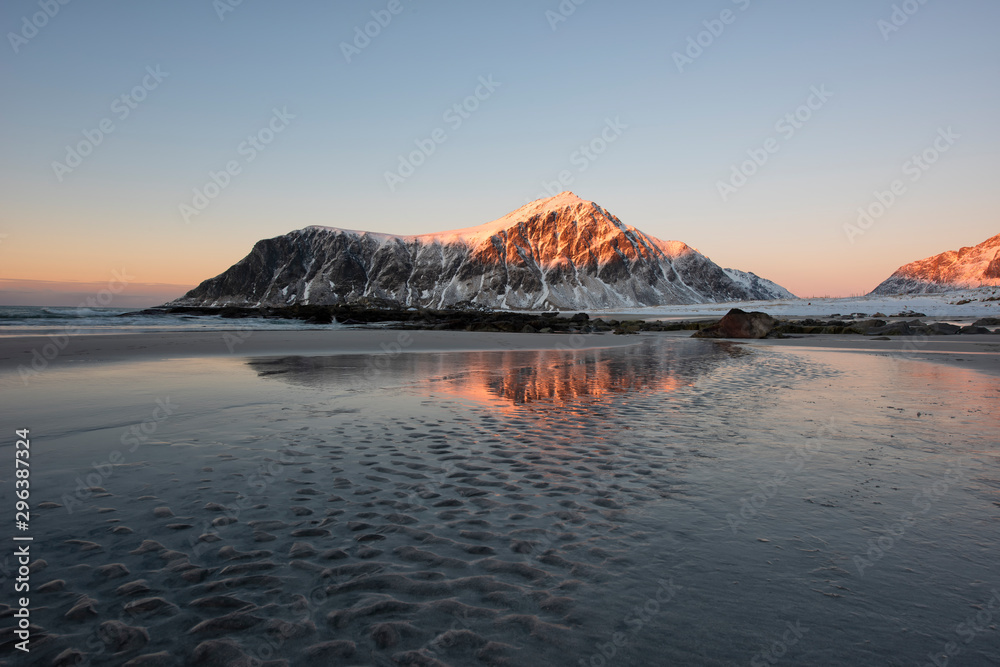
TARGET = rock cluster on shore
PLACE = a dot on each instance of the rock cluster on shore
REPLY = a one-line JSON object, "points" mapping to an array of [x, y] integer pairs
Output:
{"points": [[470, 319], [736, 323], [879, 327], [740, 324]]}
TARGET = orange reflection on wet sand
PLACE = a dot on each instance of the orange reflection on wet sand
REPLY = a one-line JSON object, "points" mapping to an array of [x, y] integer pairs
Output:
{"points": [[515, 379], [509, 379]]}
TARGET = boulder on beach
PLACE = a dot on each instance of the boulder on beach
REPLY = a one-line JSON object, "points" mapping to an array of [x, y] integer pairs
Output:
{"points": [[911, 328], [944, 329], [864, 326], [740, 324]]}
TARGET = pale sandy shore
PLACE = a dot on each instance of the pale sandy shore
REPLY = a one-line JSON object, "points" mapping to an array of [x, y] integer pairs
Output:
{"points": [[976, 352]]}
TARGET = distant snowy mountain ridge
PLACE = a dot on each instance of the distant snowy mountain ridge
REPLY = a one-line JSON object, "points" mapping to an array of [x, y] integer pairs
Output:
{"points": [[967, 268]]}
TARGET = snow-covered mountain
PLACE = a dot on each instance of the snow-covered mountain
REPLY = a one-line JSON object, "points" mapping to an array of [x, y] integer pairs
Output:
{"points": [[967, 268], [558, 253]]}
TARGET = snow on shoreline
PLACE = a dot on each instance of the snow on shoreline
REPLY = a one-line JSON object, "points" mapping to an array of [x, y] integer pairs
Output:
{"points": [[932, 305]]}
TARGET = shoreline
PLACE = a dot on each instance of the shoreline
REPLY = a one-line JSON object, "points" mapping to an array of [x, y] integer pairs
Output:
{"points": [[975, 352]]}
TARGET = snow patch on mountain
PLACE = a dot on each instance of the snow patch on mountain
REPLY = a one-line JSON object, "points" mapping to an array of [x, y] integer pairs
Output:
{"points": [[754, 284]]}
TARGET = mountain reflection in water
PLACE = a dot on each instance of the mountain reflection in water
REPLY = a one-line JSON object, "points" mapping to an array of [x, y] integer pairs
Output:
{"points": [[518, 378]]}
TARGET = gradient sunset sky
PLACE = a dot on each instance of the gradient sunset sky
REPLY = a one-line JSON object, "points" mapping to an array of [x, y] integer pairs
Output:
{"points": [[893, 78]]}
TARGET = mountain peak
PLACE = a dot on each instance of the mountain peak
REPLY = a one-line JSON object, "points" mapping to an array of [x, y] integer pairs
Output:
{"points": [[566, 198], [479, 233], [538, 208], [557, 203]]}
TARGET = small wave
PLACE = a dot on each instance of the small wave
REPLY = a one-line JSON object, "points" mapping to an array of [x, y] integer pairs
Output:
{"points": [[82, 312], [55, 312]]}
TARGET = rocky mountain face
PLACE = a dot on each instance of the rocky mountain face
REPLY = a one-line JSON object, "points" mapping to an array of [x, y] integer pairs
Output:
{"points": [[560, 253], [967, 268]]}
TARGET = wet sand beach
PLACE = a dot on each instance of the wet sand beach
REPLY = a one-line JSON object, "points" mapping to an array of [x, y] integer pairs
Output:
{"points": [[318, 499], [101, 348]]}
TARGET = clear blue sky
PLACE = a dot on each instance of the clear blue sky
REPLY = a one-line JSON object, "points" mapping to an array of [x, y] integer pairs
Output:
{"points": [[558, 88]]}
